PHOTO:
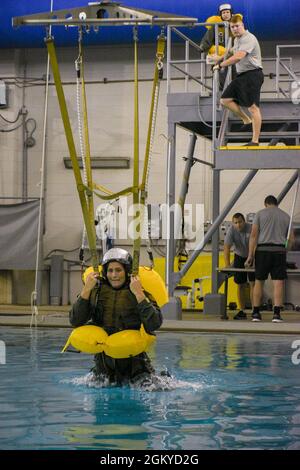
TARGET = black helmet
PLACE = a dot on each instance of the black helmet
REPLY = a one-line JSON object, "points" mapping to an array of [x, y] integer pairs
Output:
{"points": [[119, 255], [225, 6]]}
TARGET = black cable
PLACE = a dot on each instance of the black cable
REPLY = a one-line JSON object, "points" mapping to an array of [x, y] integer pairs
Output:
{"points": [[15, 120], [61, 251], [30, 141], [11, 130]]}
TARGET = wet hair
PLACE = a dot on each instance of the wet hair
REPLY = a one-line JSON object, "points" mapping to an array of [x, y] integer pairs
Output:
{"points": [[236, 18], [238, 215], [271, 201]]}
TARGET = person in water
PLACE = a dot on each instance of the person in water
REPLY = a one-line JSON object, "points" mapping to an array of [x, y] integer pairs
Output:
{"points": [[116, 301]]}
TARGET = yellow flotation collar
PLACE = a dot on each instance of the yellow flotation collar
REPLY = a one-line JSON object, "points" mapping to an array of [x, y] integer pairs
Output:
{"points": [[218, 19], [213, 19], [150, 280], [213, 50], [92, 339]]}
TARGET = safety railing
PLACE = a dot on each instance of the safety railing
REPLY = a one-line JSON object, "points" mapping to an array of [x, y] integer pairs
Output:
{"points": [[293, 77], [197, 71], [201, 76]]}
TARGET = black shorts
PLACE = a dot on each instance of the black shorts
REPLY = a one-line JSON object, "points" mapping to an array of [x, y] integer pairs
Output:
{"points": [[241, 278], [270, 262], [245, 88]]}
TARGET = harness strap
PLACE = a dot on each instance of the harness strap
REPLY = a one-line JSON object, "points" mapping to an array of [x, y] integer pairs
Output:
{"points": [[89, 225]]}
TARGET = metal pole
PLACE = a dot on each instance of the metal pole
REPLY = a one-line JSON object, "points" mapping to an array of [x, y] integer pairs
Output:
{"points": [[24, 132], [187, 171], [171, 173], [287, 187], [186, 66], [277, 70], [216, 184], [216, 235], [216, 224], [169, 32], [293, 209]]}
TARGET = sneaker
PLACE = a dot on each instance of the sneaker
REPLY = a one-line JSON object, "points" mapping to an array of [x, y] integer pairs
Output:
{"points": [[251, 144], [240, 316], [256, 316], [277, 318], [246, 127]]}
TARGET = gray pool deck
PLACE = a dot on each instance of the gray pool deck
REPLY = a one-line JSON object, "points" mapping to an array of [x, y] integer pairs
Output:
{"points": [[57, 317]]}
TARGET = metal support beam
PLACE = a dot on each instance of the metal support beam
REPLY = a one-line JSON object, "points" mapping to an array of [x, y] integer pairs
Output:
{"points": [[170, 197], [187, 171], [215, 225], [216, 235], [287, 187], [216, 181], [103, 14]]}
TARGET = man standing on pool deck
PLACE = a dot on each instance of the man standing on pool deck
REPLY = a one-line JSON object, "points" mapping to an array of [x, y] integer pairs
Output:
{"points": [[268, 241], [244, 90], [238, 236]]}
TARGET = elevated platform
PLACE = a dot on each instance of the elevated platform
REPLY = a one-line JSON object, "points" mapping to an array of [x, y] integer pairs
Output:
{"points": [[281, 123], [185, 107], [262, 157]]}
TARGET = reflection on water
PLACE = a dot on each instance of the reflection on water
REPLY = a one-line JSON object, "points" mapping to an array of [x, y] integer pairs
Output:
{"points": [[226, 391]]}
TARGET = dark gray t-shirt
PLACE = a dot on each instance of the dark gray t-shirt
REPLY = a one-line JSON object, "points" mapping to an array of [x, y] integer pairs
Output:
{"points": [[273, 225], [239, 240]]}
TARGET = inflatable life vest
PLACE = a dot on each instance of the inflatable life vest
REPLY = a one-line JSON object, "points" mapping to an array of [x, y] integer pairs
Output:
{"points": [[213, 19], [92, 339]]}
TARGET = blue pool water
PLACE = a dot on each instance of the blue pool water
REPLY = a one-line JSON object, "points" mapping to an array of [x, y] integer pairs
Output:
{"points": [[227, 392]]}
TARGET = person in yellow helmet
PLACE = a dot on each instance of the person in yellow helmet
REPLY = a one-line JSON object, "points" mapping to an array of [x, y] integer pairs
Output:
{"points": [[207, 44], [208, 40], [117, 302]]}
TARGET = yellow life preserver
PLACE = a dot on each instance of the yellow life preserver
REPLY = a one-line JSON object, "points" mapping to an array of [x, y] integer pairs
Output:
{"points": [[93, 340], [213, 50], [218, 19], [213, 19], [150, 280]]}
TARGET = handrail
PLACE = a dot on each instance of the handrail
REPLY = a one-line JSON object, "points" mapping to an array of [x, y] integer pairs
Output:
{"points": [[285, 63], [279, 64]]}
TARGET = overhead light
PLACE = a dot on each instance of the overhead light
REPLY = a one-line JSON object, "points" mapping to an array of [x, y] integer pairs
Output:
{"points": [[102, 162]]}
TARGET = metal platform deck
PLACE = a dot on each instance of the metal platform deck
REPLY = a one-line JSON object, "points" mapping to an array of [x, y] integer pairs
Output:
{"points": [[194, 113], [262, 157]]}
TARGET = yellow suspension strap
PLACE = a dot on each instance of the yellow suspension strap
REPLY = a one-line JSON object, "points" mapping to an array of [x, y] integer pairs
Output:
{"points": [[86, 156], [158, 75], [109, 196], [136, 218], [90, 226]]}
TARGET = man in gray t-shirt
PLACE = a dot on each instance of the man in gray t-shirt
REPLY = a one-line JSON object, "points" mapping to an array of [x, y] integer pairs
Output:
{"points": [[268, 242], [244, 90], [238, 237]]}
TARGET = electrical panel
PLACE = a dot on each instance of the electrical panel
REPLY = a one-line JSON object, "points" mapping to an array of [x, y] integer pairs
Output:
{"points": [[3, 95]]}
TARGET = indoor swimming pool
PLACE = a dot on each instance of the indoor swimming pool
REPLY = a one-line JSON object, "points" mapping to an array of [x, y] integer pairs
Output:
{"points": [[226, 392]]}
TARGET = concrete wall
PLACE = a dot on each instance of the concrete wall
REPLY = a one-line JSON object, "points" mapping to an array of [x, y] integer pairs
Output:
{"points": [[110, 107]]}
